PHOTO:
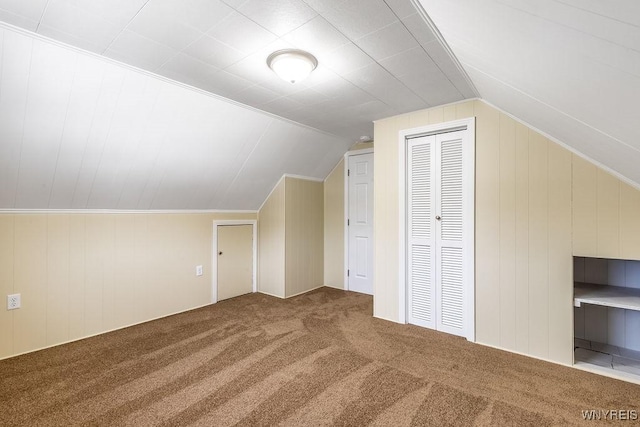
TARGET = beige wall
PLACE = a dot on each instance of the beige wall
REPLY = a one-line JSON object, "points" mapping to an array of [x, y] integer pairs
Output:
{"points": [[606, 214], [83, 274], [524, 226], [304, 229], [271, 243], [334, 227]]}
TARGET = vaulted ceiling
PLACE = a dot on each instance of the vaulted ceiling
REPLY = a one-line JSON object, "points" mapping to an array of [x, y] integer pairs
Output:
{"points": [[570, 68], [201, 122], [169, 104]]}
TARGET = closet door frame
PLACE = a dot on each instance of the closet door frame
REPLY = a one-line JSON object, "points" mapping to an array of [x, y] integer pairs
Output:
{"points": [[467, 125]]}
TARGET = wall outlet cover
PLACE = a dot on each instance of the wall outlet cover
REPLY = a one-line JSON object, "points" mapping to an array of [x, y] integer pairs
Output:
{"points": [[13, 301]]}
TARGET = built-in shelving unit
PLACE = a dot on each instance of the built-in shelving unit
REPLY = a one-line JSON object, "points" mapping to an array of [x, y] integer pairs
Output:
{"points": [[606, 297]]}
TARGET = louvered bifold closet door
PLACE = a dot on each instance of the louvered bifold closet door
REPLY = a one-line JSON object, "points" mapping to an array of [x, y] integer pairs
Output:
{"points": [[450, 289], [421, 232]]}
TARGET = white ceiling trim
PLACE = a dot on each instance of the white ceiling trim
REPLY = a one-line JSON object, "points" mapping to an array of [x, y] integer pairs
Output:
{"points": [[432, 26], [304, 178], [37, 36]]}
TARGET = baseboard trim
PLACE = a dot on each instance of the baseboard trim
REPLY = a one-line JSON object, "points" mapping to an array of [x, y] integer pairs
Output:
{"points": [[304, 292], [103, 332], [270, 294]]}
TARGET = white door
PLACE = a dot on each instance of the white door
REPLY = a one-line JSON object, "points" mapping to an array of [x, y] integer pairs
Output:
{"points": [[235, 260], [440, 233], [421, 236], [360, 223]]}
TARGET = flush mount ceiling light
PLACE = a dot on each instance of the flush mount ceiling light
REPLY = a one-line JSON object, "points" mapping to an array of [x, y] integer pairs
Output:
{"points": [[292, 65]]}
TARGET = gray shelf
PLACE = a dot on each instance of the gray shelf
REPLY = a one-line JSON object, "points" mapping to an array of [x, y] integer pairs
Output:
{"points": [[609, 296]]}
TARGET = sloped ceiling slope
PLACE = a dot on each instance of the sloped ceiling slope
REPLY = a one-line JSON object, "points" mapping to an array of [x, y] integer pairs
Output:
{"points": [[78, 131], [377, 58], [571, 68]]}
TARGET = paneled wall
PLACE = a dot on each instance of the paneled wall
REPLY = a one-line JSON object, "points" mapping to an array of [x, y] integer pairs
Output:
{"points": [[83, 274], [334, 227], [606, 214], [523, 230], [291, 245], [271, 243], [304, 235]]}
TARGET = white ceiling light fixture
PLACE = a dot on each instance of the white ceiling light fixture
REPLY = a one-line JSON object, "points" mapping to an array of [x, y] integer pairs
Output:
{"points": [[292, 65]]}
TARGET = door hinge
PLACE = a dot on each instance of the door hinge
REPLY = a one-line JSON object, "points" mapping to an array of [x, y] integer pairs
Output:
{"points": [[348, 273], [348, 172], [347, 222]]}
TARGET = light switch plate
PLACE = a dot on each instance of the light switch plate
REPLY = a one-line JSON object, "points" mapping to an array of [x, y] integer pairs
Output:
{"points": [[198, 270]]}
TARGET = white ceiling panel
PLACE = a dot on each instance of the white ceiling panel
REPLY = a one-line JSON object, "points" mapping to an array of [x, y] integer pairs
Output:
{"points": [[118, 12], [213, 52], [277, 16], [241, 33], [188, 70], [31, 10], [226, 84], [63, 17], [388, 41], [139, 51], [415, 25], [256, 95], [401, 8], [347, 58], [50, 79], [157, 25], [318, 36], [619, 10], [355, 18], [15, 59], [83, 101]]}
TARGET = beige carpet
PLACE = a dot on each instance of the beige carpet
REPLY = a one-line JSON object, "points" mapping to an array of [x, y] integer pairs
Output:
{"points": [[317, 359]]}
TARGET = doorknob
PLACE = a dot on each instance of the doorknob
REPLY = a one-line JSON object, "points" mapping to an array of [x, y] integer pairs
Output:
{"points": [[437, 218], [220, 253]]}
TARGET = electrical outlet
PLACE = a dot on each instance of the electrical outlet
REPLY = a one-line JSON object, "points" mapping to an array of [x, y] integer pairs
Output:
{"points": [[13, 301], [198, 270]]}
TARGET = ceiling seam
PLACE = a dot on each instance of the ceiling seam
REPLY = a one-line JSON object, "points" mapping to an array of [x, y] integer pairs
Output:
{"points": [[150, 112], [106, 138], [432, 26], [125, 27], [235, 178], [24, 119], [150, 174], [86, 142], [597, 14], [64, 125], [46, 6], [353, 42]]}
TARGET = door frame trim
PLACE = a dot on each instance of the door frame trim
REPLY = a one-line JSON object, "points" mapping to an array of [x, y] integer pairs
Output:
{"points": [[346, 208], [214, 253], [468, 124]]}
